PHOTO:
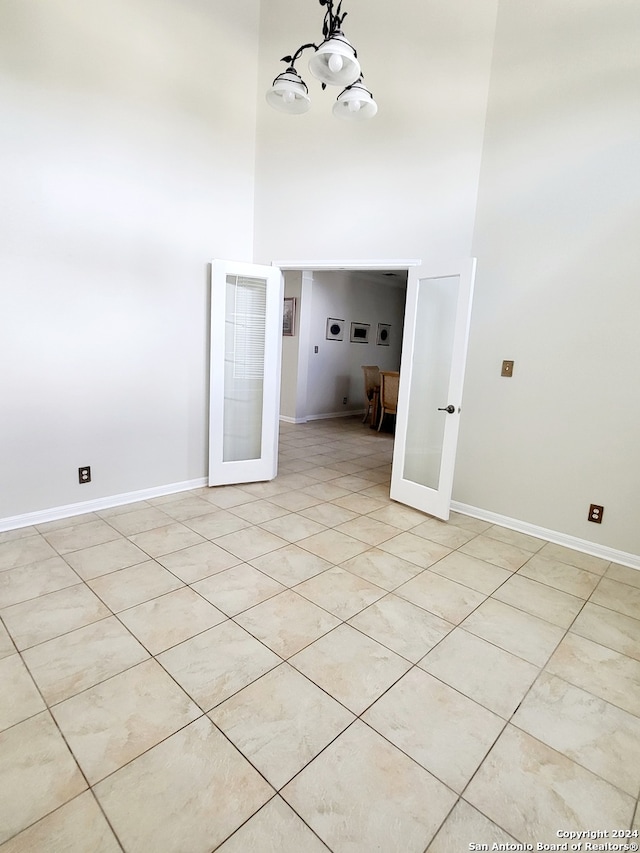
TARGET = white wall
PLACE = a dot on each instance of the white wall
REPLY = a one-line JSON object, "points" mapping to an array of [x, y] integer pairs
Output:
{"points": [[557, 240], [127, 164]]}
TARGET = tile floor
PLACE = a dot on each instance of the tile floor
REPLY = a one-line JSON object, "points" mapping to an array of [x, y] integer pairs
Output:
{"points": [[302, 665]]}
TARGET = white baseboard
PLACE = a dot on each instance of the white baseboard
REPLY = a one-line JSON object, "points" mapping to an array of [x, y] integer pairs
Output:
{"points": [[349, 414], [592, 548], [288, 420], [55, 513]]}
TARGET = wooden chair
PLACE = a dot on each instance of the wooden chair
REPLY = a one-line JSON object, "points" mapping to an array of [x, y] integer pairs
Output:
{"points": [[371, 390], [389, 381]]}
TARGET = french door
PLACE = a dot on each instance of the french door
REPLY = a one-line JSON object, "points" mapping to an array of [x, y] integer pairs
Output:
{"points": [[246, 345], [434, 351]]}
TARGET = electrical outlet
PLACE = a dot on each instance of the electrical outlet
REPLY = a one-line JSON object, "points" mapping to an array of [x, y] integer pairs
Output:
{"points": [[595, 513], [84, 474], [507, 368], [344, 401]]}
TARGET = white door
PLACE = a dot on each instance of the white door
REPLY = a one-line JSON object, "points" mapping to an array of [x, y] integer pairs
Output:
{"points": [[246, 345], [434, 351]]}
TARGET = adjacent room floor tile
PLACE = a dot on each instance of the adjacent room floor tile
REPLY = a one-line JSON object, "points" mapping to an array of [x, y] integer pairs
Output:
{"points": [[351, 667], [487, 674], [168, 620], [466, 822], [280, 722], [37, 773], [560, 575], [128, 587], [514, 631], [76, 827], [41, 619], [363, 794], [531, 791], [216, 664], [198, 561], [75, 661], [499, 553], [291, 565], [342, 593], [36, 579], [237, 589], [599, 670], [611, 629], [444, 731], [401, 626], [19, 697], [449, 600], [592, 732], [276, 828], [287, 622], [188, 793], [115, 721], [540, 600]]}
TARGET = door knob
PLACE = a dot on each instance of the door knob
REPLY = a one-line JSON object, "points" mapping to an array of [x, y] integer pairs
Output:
{"points": [[451, 409]]}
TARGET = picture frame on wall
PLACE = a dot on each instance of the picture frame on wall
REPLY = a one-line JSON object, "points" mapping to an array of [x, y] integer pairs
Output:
{"points": [[384, 334], [289, 316], [360, 333], [335, 329]]}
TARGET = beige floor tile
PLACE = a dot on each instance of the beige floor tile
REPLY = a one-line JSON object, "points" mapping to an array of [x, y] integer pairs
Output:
{"points": [[280, 722], [466, 822], [37, 773], [499, 553], [112, 723], [287, 622], [216, 664], [515, 631], [6, 643], [99, 560], [326, 491], [41, 619], [397, 515], [21, 552], [216, 524], [472, 572], [291, 565], [276, 828], [382, 569], [342, 593], [467, 522], [71, 663], [76, 827], [363, 794], [351, 482], [592, 732], [532, 791], [333, 546], [574, 558], [620, 597], [540, 600], [123, 509], [328, 514], [401, 626], [490, 676], [140, 520], [623, 574], [442, 532], [444, 731], [81, 536], [369, 530], [295, 501], [165, 540], [19, 697], [379, 491], [257, 512], [611, 629], [439, 595], [415, 549], [599, 670], [250, 543], [513, 537], [293, 527], [68, 521], [128, 587], [238, 588], [187, 506], [188, 793], [351, 667], [36, 579], [18, 533], [170, 619], [226, 497], [360, 504], [560, 575], [198, 561]]}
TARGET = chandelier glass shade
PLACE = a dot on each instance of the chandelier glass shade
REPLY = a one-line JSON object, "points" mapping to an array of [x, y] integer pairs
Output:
{"points": [[335, 63]]}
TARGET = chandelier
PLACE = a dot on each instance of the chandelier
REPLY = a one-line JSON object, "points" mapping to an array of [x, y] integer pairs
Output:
{"points": [[335, 63]]}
